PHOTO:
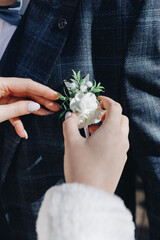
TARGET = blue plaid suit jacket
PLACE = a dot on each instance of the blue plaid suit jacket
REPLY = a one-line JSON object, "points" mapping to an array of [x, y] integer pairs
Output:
{"points": [[117, 43]]}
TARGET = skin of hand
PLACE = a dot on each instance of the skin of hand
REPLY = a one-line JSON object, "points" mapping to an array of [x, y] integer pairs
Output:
{"points": [[7, 2], [99, 160], [19, 96]]}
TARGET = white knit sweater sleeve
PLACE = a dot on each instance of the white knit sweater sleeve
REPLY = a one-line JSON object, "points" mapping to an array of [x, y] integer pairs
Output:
{"points": [[79, 212]]}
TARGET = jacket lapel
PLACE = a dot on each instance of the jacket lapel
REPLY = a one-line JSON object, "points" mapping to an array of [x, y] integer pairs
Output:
{"points": [[33, 52], [38, 41]]}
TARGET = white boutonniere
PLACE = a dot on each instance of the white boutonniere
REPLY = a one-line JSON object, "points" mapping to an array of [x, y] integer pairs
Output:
{"points": [[82, 99]]}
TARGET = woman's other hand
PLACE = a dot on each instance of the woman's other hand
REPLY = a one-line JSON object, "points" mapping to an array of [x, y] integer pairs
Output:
{"points": [[19, 96]]}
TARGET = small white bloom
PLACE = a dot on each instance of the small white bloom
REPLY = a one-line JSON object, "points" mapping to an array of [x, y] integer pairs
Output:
{"points": [[87, 109], [73, 85], [83, 88], [89, 84], [69, 86], [87, 78]]}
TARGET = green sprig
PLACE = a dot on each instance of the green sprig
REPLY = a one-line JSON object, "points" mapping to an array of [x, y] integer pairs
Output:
{"points": [[97, 88]]}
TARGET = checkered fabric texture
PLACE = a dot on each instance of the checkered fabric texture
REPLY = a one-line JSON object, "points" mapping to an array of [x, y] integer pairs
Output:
{"points": [[117, 43]]}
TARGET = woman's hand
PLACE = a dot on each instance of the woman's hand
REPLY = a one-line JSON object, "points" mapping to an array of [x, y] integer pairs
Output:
{"points": [[99, 160], [16, 95]]}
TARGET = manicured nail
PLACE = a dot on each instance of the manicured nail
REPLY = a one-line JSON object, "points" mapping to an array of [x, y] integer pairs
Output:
{"points": [[57, 96], [68, 114], [33, 106], [26, 134]]}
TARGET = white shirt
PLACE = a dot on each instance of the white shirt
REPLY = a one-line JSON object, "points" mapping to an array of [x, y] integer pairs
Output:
{"points": [[7, 30]]}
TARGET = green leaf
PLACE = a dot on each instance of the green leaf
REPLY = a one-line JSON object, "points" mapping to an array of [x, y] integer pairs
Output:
{"points": [[61, 97], [62, 114], [79, 75], [64, 106], [74, 73], [73, 93], [82, 81], [96, 90], [94, 84], [65, 92], [73, 80]]}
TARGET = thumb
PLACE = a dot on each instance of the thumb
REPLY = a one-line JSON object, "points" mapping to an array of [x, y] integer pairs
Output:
{"points": [[17, 109], [70, 128]]}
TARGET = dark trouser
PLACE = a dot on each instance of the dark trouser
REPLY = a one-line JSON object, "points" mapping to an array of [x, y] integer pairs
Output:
{"points": [[4, 229]]}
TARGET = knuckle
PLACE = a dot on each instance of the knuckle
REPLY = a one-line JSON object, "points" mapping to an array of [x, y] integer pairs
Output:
{"points": [[29, 80], [17, 108], [125, 126], [16, 124], [109, 102], [115, 106], [127, 145], [124, 140], [118, 106], [125, 118], [125, 159]]}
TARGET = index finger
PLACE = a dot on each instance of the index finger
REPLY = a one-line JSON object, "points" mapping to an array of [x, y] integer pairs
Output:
{"points": [[113, 112], [21, 87]]}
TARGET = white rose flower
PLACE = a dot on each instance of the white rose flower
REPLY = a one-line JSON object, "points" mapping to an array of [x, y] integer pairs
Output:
{"points": [[87, 109]]}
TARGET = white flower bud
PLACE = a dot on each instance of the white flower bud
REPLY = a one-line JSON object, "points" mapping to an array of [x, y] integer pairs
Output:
{"points": [[89, 84], [83, 88]]}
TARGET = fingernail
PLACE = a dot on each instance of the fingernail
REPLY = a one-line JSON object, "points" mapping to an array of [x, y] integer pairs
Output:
{"points": [[57, 96], [26, 134], [68, 114], [33, 106]]}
